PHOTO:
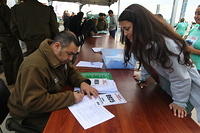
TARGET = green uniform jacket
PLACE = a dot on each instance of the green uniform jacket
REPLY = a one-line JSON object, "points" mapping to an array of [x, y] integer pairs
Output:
{"points": [[4, 19], [40, 81], [181, 28], [11, 54], [194, 38], [101, 25], [32, 20]]}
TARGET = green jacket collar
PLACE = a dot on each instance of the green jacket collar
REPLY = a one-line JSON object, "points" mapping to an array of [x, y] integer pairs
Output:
{"points": [[48, 53]]}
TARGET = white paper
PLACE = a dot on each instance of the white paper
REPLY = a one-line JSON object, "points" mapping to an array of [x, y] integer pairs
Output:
{"points": [[110, 99], [89, 114], [97, 49], [104, 85], [90, 64], [96, 36]]}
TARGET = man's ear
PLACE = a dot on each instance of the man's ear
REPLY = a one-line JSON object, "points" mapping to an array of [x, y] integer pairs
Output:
{"points": [[56, 46]]}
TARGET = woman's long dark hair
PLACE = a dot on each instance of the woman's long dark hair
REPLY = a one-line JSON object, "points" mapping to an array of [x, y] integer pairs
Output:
{"points": [[150, 30]]}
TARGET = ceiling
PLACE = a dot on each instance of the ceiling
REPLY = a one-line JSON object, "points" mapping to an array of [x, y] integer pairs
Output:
{"points": [[95, 2]]}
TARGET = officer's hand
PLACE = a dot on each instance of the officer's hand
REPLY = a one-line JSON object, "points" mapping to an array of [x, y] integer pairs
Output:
{"points": [[78, 97], [89, 90], [178, 110]]}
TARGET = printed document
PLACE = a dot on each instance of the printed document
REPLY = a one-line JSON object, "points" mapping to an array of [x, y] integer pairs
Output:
{"points": [[90, 64], [102, 85], [89, 114], [110, 99]]}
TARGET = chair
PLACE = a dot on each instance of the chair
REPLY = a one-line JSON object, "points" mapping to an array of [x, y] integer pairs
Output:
{"points": [[14, 125], [11, 124]]}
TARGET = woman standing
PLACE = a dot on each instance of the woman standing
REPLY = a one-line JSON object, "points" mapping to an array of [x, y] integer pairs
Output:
{"points": [[162, 52]]}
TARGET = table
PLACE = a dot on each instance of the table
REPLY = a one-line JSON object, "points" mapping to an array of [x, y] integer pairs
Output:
{"points": [[146, 110]]}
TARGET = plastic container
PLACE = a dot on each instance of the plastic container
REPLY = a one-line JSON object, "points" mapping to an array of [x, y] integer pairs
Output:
{"points": [[114, 59]]}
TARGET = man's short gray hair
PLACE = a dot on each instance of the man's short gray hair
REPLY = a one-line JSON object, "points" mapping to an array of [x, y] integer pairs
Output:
{"points": [[66, 38]]}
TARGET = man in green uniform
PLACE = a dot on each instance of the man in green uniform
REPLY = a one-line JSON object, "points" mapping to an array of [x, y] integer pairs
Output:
{"points": [[41, 79], [32, 22], [194, 39], [181, 27], [101, 23], [10, 49]]}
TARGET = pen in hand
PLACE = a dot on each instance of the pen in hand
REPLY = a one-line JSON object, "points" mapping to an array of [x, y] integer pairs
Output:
{"points": [[78, 96]]}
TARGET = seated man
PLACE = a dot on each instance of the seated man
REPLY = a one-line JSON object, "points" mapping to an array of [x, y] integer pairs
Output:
{"points": [[101, 23], [41, 79]]}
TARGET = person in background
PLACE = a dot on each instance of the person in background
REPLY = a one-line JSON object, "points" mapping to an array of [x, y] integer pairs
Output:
{"points": [[163, 54], [73, 14], [101, 23], [32, 22], [42, 76], [66, 20], [193, 25], [181, 27], [159, 16], [76, 24], [10, 49], [112, 24], [193, 39], [88, 27]]}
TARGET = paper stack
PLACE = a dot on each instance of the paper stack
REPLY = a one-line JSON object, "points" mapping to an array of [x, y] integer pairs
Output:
{"points": [[90, 64], [89, 114]]}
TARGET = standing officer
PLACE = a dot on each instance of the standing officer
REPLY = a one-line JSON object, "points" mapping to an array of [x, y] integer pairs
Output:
{"points": [[10, 49], [32, 22]]}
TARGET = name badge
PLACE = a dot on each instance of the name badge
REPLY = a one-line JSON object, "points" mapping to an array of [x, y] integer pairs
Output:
{"points": [[191, 39]]}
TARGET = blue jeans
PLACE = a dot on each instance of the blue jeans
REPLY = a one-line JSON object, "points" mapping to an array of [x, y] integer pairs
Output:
{"points": [[112, 33]]}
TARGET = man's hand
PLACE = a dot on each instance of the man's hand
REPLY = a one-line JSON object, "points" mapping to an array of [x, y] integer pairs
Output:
{"points": [[178, 110], [192, 50], [78, 97], [85, 88]]}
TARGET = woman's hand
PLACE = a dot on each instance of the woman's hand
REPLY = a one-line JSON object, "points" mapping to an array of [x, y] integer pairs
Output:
{"points": [[178, 110]]}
